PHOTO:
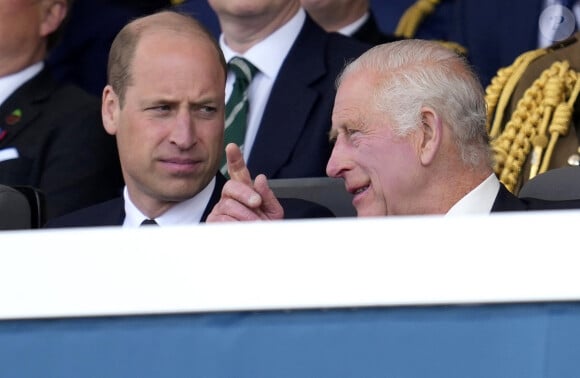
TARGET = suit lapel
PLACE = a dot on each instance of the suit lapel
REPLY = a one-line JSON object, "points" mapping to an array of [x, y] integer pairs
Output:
{"points": [[114, 212], [286, 116], [369, 32], [21, 108], [215, 196], [506, 201]]}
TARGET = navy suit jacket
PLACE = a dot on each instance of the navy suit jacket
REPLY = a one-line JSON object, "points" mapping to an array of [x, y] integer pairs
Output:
{"points": [[370, 33], [506, 201], [112, 212], [292, 139], [63, 149], [81, 55]]}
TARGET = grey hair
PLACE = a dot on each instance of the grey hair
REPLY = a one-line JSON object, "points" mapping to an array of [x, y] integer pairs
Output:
{"points": [[416, 73]]}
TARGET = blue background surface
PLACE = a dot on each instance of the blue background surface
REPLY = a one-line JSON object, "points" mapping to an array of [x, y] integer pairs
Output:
{"points": [[519, 340]]}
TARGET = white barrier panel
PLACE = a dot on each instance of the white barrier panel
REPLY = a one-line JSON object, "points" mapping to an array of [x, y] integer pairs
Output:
{"points": [[349, 262]]}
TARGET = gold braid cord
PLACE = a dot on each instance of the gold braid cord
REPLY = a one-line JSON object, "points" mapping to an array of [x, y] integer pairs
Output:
{"points": [[460, 50], [413, 16], [499, 92], [541, 116]]}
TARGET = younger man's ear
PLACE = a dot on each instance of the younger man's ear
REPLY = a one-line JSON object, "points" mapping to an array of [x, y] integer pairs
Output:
{"points": [[110, 109]]}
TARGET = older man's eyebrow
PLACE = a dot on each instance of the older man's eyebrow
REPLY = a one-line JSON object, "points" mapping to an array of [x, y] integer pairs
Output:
{"points": [[332, 135]]}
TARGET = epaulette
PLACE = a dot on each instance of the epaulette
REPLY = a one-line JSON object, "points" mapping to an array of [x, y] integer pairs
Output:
{"points": [[541, 116], [413, 16]]}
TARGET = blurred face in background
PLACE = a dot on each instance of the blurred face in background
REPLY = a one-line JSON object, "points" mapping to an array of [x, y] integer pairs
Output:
{"points": [[332, 15], [24, 26], [250, 8]]}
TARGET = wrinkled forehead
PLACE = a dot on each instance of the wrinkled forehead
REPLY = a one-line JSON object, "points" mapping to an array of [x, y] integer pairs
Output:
{"points": [[356, 91], [167, 41]]}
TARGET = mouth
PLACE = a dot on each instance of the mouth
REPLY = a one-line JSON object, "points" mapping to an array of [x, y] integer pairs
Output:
{"points": [[178, 161], [360, 190], [359, 193], [356, 190], [181, 165]]}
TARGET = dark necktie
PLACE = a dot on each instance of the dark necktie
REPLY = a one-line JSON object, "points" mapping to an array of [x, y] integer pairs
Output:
{"points": [[237, 107], [149, 222]]}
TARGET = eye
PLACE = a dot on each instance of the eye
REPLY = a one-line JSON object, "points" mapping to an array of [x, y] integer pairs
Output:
{"points": [[208, 112], [350, 132], [332, 135], [162, 108], [208, 109]]}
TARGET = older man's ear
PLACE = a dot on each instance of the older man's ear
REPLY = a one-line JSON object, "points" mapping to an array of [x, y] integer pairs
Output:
{"points": [[430, 135]]}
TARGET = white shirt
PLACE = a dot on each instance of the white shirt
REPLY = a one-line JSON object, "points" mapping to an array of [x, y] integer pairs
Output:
{"points": [[183, 213], [268, 56], [350, 29], [480, 200], [10, 83]]}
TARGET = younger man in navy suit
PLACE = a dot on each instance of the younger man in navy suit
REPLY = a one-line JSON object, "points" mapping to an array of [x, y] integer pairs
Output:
{"points": [[165, 105]]}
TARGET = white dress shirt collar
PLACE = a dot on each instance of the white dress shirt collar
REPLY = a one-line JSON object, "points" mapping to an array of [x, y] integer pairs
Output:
{"points": [[351, 28], [480, 200], [183, 213], [10, 83], [269, 54]]}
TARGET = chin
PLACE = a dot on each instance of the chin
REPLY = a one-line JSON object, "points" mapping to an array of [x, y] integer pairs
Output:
{"points": [[370, 212], [181, 193]]}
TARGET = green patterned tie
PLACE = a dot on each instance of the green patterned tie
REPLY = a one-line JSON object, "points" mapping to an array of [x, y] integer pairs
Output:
{"points": [[237, 106]]}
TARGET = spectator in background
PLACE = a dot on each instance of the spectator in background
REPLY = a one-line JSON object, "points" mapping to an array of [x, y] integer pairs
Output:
{"points": [[165, 105], [495, 33], [202, 12], [81, 55], [348, 17], [290, 96], [409, 136], [51, 136]]}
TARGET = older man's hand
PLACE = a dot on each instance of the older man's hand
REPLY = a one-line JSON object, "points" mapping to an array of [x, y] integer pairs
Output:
{"points": [[242, 200]]}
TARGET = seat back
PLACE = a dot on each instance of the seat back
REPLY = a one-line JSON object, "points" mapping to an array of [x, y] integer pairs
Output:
{"points": [[21, 207], [555, 184], [326, 191]]}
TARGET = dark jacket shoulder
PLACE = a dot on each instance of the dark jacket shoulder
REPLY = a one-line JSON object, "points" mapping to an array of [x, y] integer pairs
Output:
{"points": [[295, 208], [506, 201], [108, 213]]}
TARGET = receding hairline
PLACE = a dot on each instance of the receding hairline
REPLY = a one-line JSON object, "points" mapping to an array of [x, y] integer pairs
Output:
{"points": [[125, 44], [174, 22]]}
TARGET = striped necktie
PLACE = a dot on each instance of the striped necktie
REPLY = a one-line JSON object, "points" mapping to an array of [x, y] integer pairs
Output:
{"points": [[237, 107]]}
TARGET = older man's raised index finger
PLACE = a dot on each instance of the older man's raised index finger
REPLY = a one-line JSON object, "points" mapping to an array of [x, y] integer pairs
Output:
{"points": [[237, 168]]}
